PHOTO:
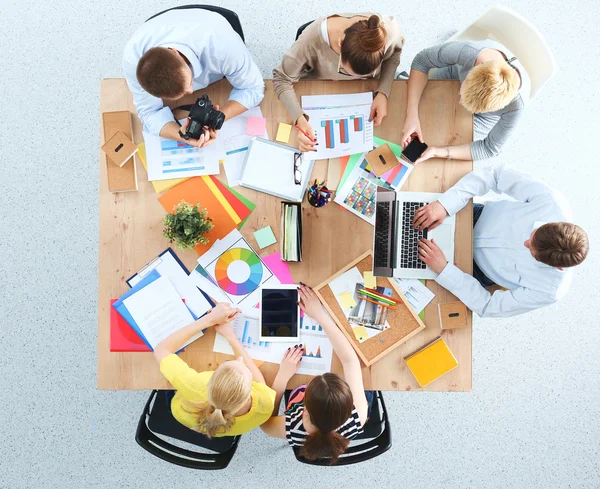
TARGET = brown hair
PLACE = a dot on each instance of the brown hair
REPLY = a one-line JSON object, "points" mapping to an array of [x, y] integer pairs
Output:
{"points": [[364, 45], [160, 72], [560, 244], [328, 401], [489, 86], [228, 391]]}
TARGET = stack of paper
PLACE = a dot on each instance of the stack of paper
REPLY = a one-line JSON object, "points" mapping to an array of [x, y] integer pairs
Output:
{"points": [[154, 309], [291, 232], [226, 207]]}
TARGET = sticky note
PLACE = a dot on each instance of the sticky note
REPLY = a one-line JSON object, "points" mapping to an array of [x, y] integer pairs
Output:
{"points": [[265, 237], [283, 133], [370, 280], [347, 299], [360, 333], [256, 126]]}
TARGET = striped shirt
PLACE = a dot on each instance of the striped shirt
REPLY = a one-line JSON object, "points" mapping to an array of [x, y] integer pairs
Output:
{"points": [[296, 434]]}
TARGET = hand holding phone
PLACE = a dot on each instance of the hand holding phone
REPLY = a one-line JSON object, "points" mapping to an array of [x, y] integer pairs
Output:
{"points": [[414, 150]]}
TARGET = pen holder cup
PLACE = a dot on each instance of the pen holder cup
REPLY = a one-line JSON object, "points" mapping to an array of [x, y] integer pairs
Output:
{"points": [[316, 199]]}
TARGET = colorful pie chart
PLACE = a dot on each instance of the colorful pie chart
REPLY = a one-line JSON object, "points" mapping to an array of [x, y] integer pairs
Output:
{"points": [[238, 271]]}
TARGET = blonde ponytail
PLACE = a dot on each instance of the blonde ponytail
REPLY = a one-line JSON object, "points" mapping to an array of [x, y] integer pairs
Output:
{"points": [[228, 391]]}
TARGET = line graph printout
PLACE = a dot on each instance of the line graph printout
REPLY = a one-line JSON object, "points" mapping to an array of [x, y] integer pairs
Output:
{"points": [[341, 123]]}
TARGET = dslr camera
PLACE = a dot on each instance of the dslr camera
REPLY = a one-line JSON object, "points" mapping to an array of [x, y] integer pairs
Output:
{"points": [[202, 113]]}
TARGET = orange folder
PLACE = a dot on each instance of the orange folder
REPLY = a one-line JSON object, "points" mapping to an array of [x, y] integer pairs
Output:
{"points": [[204, 191]]}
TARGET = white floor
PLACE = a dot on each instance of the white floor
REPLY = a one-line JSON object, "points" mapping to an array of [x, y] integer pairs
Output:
{"points": [[532, 417]]}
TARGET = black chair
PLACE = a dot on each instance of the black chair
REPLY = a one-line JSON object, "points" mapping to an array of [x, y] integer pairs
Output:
{"points": [[377, 432], [230, 15], [301, 29], [158, 420]]}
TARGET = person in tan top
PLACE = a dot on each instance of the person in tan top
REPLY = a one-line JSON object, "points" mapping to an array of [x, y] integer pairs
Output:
{"points": [[340, 47]]}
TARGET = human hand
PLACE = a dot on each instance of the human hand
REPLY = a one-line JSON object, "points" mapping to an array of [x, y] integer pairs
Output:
{"points": [[222, 313], [431, 254], [430, 152], [207, 137], [411, 130], [305, 144], [225, 330], [290, 362], [309, 302], [378, 109], [429, 216]]}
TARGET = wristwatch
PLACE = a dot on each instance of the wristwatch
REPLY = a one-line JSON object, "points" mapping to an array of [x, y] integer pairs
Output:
{"points": [[183, 135]]}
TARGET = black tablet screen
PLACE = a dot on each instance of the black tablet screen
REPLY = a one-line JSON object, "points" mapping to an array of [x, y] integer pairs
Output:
{"points": [[279, 312]]}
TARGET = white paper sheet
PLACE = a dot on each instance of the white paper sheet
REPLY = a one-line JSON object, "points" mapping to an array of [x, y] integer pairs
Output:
{"points": [[417, 295], [168, 158], [319, 351], [341, 123], [236, 143], [237, 270], [158, 310], [168, 267]]}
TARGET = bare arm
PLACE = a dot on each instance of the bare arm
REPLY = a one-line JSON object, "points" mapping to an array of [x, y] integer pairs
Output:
{"points": [[416, 84], [231, 108], [220, 313], [274, 427], [227, 332], [312, 306]]}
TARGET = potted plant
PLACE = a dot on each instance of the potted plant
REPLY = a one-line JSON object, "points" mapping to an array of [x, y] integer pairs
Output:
{"points": [[187, 225]]}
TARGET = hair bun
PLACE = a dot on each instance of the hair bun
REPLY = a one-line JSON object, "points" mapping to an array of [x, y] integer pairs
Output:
{"points": [[374, 22]]}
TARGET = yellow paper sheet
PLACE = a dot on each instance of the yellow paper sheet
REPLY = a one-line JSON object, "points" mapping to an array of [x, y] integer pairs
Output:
{"points": [[360, 333], [283, 132], [370, 280], [347, 299], [159, 185]]}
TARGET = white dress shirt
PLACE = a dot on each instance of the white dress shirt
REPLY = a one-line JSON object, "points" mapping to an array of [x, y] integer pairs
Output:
{"points": [[213, 49], [498, 243]]}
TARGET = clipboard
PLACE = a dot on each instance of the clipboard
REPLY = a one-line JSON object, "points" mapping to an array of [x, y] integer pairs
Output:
{"points": [[168, 264], [269, 168]]}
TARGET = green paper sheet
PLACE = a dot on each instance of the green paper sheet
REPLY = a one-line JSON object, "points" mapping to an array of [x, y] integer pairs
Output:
{"points": [[265, 237]]}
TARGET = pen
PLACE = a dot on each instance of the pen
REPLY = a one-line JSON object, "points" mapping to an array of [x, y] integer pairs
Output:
{"points": [[377, 293], [303, 132], [388, 306], [377, 297]]}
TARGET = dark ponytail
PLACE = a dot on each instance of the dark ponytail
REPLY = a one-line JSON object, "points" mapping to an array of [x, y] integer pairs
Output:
{"points": [[329, 403], [363, 46], [324, 445]]}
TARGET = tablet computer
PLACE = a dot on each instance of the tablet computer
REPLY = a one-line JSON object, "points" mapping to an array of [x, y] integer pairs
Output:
{"points": [[279, 313]]}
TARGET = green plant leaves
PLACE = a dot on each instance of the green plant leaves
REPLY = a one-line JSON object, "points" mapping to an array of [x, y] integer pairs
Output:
{"points": [[187, 225]]}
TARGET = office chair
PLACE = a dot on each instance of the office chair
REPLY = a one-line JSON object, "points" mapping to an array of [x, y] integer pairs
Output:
{"points": [[520, 36], [301, 29], [377, 432], [158, 420], [230, 15]]}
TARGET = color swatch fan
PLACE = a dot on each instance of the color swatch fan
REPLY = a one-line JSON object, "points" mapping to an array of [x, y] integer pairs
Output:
{"points": [[236, 269]]}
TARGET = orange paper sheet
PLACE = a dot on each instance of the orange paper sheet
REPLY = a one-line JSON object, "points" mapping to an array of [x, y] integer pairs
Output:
{"points": [[195, 190]]}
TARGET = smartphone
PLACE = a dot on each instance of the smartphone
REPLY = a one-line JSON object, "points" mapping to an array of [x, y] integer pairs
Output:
{"points": [[414, 150]]}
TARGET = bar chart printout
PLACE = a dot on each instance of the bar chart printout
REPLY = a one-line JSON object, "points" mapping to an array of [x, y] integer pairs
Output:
{"points": [[318, 351], [341, 123]]}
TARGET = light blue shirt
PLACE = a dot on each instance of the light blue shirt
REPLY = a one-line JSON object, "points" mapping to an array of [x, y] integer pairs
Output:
{"points": [[213, 49], [498, 243]]}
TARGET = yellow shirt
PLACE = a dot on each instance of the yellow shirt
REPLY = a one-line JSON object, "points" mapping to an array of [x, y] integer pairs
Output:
{"points": [[193, 386]]}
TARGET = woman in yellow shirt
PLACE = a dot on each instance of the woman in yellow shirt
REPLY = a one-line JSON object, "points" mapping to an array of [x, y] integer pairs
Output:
{"points": [[229, 401]]}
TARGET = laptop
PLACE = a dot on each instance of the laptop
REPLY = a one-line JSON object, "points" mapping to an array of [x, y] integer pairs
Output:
{"points": [[396, 252]]}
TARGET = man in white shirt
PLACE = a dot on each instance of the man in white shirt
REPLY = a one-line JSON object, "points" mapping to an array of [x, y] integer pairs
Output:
{"points": [[525, 246], [181, 51]]}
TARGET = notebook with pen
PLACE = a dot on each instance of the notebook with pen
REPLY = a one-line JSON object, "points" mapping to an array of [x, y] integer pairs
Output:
{"points": [[273, 168]]}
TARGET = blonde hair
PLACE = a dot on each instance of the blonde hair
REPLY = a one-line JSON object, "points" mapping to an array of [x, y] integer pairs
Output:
{"points": [[490, 86], [228, 391]]}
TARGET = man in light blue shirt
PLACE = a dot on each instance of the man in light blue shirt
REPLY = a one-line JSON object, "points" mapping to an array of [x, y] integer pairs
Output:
{"points": [[526, 246], [181, 51]]}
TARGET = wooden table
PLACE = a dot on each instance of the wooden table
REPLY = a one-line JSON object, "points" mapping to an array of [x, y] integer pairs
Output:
{"points": [[131, 235]]}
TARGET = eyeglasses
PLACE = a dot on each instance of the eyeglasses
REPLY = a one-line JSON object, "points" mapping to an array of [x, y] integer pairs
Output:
{"points": [[297, 172]]}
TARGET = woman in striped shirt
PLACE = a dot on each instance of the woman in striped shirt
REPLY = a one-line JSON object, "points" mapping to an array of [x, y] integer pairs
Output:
{"points": [[323, 416]]}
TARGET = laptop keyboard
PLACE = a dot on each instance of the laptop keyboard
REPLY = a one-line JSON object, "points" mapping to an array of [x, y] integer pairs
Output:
{"points": [[409, 254], [382, 234]]}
